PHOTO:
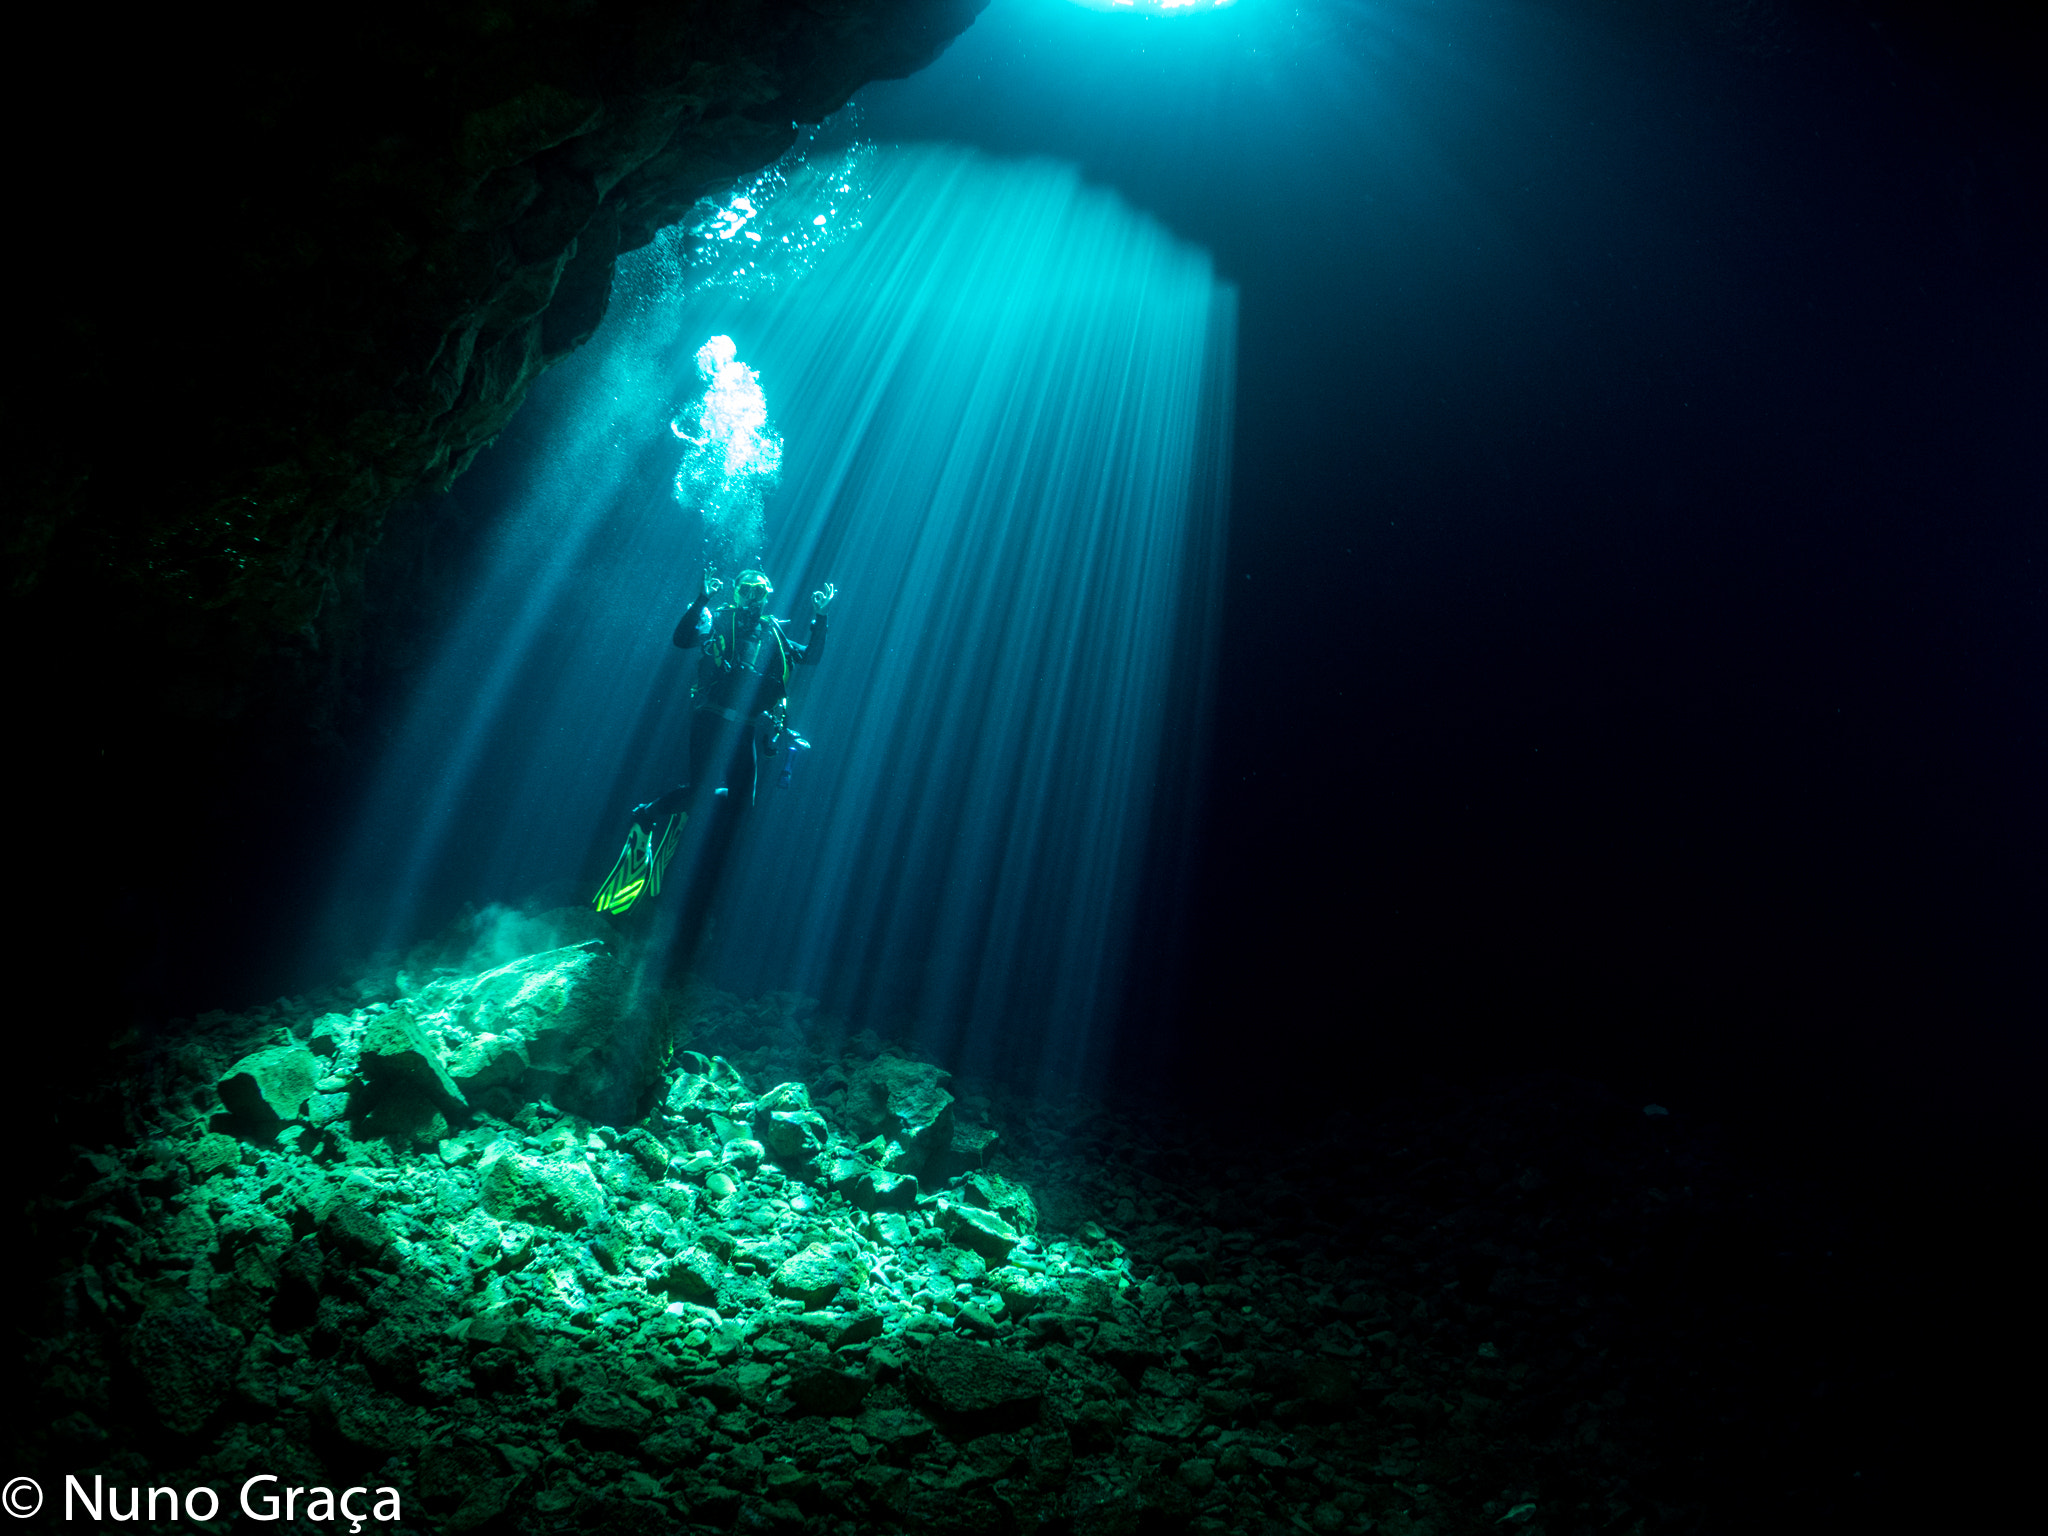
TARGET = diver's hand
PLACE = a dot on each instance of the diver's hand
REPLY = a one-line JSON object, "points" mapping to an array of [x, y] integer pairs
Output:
{"points": [[820, 598], [712, 584]]}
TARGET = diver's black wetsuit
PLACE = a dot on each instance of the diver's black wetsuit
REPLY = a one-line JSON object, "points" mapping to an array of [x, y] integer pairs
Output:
{"points": [[742, 689]]}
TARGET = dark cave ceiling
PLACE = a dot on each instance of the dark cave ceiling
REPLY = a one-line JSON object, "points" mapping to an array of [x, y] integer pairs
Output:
{"points": [[314, 266]]}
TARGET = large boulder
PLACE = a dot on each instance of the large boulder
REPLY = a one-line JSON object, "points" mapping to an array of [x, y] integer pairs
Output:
{"points": [[984, 1232], [793, 1133], [905, 1102], [556, 1027], [812, 1275], [978, 1387], [1005, 1197], [558, 1192], [266, 1088], [400, 1060]]}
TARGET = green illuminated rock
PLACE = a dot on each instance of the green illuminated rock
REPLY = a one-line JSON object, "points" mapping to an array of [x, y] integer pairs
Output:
{"points": [[558, 1192], [268, 1087], [1005, 1197], [868, 1188], [984, 1232], [787, 1126], [541, 1290], [694, 1276], [1025, 1291], [552, 1026], [399, 1060], [812, 1275], [213, 1153], [352, 1232], [647, 1151]]}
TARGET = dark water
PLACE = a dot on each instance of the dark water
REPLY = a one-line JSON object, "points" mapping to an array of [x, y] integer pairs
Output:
{"points": [[1639, 427]]}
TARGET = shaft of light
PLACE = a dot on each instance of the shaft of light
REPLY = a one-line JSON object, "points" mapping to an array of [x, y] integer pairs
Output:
{"points": [[1005, 403]]}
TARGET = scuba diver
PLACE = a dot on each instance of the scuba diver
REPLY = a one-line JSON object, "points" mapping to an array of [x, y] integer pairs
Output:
{"points": [[740, 714]]}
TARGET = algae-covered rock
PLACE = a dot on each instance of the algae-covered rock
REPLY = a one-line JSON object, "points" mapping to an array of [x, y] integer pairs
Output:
{"points": [[849, 1328], [559, 1192], [609, 1418], [969, 1150], [186, 1358], [364, 1419], [353, 1233], [214, 1152], [900, 1430], [868, 1188], [489, 1060], [266, 1088], [648, 1151]]}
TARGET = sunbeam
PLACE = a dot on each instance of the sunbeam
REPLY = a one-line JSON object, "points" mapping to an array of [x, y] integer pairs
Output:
{"points": [[1005, 404]]}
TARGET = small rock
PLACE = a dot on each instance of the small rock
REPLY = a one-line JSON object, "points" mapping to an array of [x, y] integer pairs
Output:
{"points": [[609, 1418], [214, 1153], [1025, 1291], [694, 1276], [811, 1275], [898, 1430], [787, 1126], [352, 1232], [186, 1358], [976, 1320], [818, 1387], [982, 1231], [648, 1152]]}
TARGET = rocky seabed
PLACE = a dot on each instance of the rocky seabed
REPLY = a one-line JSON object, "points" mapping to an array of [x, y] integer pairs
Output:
{"points": [[389, 1240]]}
